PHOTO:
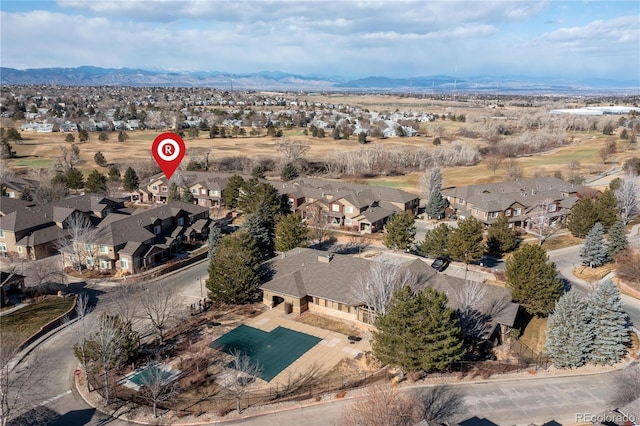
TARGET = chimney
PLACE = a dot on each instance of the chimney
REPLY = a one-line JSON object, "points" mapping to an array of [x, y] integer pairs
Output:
{"points": [[325, 258]]}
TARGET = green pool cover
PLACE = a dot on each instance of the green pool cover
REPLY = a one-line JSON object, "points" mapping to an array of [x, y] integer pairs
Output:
{"points": [[273, 351]]}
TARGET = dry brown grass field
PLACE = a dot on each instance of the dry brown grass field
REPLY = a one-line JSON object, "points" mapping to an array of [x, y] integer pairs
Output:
{"points": [[38, 150]]}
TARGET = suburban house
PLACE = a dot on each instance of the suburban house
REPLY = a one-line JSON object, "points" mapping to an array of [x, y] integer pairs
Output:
{"points": [[16, 187], [148, 237], [32, 231], [305, 279], [525, 203], [207, 188], [9, 283], [361, 208]]}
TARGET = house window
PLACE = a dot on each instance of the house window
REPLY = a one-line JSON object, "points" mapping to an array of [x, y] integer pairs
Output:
{"points": [[105, 264], [203, 191], [181, 221], [104, 249], [507, 213], [347, 221], [157, 229], [19, 249], [90, 261], [335, 207], [493, 215], [154, 187], [124, 263], [194, 190], [88, 247], [517, 211], [164, 189], [1, 234], [215, 193], [348, 209], [475, 212], [3, 247]]}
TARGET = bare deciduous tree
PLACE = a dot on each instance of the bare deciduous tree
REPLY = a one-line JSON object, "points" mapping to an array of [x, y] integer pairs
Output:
{"points": [[382, 405], [376, 288], [494, 163], [541, 217], [159, 305], [474, 322], [628, 198], [244, 373], [431, 181], [441, 404], [108, 341], [155, 386], [127, 305], [19, 384], [82, 309], [79, 245], [69, 158], [292, 150]]}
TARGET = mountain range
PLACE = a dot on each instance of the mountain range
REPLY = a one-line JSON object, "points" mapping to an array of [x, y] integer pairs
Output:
{"points": [[276, 80]]}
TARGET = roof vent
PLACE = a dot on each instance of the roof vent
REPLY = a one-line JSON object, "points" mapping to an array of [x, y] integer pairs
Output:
{"points": [[325, 258]]}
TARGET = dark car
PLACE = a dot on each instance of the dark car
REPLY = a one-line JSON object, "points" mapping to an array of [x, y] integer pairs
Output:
{"points": [[440, 264]]}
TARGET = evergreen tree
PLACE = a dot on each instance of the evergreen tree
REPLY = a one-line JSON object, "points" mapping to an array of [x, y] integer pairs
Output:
{"points": [[6, 150], [336, 133], [610, 326], [258, 172], [289, 172], [401, 230], [500, 238], [617, 239], [594, 251], [174, 193], [232, 191], [419, 332], [607, 209], [291, 232], [83, 135], [122, 136], [96, 183], [436, 205], [130, 181], [187, 196], [263, 232], [465, 242], [234, 272], [362, 138], [570, 332], [70, 138], [436, 241], [99, 159], [583, 216], [213, 241], [102, 137], [260, 198], [73, 179], [533, 280], [114, 174]]}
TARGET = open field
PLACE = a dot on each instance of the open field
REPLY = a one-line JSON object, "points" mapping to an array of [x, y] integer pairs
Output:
{"points": [[39, 149]]}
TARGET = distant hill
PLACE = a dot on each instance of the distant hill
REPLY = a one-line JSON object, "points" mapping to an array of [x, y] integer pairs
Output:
{"points": [[277, 80]]}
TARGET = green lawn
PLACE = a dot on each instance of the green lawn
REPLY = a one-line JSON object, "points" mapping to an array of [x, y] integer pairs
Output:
{"points": [[36, 163], [27, 321]]}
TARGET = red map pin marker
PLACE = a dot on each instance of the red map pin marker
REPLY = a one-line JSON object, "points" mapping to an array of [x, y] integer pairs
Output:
{"points": [[168, 150]]}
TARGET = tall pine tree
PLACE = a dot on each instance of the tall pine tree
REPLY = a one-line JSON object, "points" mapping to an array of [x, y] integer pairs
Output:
{"points": [[213, 241], [234, 272], [401, 230], [584, 215], [465, 243], [607, 209], [610, 326], [130, 180], [419, 332], [617, 239], [263, 232], [570, 332], [533, 280], [436, 241], [436, 205], [594, 251], [291, 232], [500, 238]]}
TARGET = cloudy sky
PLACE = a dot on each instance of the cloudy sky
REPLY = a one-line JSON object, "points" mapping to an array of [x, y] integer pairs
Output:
{"points": [[566, 39]]}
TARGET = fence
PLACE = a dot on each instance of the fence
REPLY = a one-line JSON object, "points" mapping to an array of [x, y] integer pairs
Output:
{"points": [[527, 357]]}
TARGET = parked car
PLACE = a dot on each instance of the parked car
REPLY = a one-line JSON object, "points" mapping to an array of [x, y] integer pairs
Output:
{"points": [[440, 264]]}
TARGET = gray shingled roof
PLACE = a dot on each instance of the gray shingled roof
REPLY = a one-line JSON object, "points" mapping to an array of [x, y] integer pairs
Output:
{"points": [[10, 205], [88, 202]]}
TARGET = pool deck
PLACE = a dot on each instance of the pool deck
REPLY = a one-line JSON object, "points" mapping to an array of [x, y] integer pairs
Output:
{"points": [[327, 353]]}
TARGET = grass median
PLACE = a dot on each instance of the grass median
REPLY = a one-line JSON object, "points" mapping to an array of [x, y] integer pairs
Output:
{"points": [[26, 321]]}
